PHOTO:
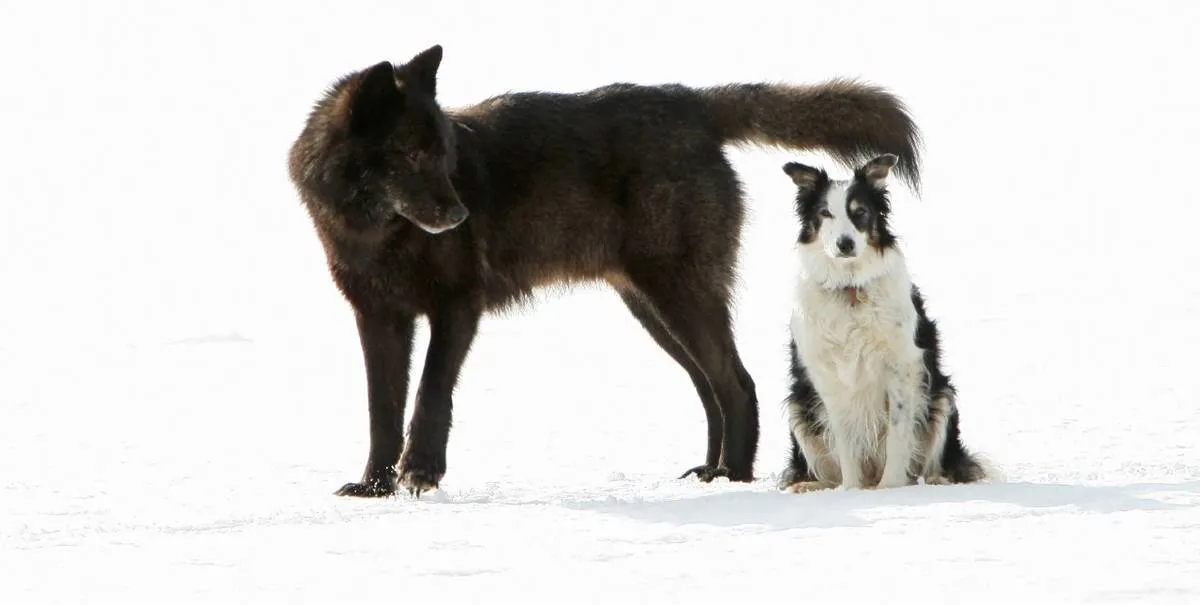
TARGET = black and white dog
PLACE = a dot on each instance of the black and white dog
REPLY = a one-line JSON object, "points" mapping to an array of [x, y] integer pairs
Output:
{"points": [[869, 405]]}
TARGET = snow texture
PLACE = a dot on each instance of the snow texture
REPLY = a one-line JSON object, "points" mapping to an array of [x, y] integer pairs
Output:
{"points": [[181, 388]]}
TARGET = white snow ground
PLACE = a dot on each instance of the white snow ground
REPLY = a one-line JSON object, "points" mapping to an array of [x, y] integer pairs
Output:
{"points": [[181, 388]]}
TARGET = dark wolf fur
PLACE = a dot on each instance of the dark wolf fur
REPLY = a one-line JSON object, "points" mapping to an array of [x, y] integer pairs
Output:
{"points": [[454, 214]]}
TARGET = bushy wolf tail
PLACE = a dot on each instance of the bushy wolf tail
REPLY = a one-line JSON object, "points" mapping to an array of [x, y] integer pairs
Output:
{"points": [[851, 121]]}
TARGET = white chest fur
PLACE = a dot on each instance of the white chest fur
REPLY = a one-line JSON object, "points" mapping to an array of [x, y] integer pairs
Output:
{"points": [[863, 362]]}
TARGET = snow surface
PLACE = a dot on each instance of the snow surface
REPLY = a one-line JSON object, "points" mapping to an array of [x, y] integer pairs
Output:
{"points": [[181, 388]]}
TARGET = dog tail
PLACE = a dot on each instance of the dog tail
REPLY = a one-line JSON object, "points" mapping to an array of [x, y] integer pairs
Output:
{"points": [[963, 465], [973, 468], [852, 121]]}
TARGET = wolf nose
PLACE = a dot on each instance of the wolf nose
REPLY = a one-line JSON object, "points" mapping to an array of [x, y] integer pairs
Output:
{"points": [[456, 214], [845, 245]]}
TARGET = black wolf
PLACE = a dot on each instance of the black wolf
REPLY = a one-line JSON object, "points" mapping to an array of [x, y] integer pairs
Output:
{"points": [[870, 405], [454, 213]]}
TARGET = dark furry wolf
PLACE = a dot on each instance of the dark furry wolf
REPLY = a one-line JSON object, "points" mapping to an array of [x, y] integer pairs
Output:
{"points": [[870, 405], [453, 213]]}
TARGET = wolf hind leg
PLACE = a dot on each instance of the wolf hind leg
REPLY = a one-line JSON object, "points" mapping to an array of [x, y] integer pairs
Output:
{"points": [[696, 315], [648, 318]]}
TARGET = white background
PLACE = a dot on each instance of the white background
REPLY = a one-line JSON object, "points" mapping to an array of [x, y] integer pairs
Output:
{"points": [[181, 387]]}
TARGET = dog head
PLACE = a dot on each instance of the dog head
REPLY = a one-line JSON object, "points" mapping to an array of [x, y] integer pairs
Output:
{"points": [[380, 146], [847, 221]]}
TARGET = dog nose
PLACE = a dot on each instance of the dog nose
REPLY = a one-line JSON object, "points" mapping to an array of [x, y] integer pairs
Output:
{"points": [[456, 214], [845, 245]]}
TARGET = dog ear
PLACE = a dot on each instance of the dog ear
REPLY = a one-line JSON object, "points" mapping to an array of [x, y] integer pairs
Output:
{"points": [[421, 70], [803, 176], [877, 170], [377, 98]]}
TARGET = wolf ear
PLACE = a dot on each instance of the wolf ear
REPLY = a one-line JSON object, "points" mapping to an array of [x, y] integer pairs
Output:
{"points": [[422, 69], [803, 176], [377, 98], [877, 170]]}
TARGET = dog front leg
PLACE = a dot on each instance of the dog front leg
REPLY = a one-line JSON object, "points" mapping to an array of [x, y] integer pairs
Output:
{"points": [[905, 402], [452, 330], [849, 464], [847, 442]]}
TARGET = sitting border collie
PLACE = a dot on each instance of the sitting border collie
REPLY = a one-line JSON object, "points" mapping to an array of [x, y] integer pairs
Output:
{"points": [[869, 405]]}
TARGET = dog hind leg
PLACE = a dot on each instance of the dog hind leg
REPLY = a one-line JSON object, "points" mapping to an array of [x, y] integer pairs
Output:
{"points": [[797, 470], [933, 438], [810, 465]]}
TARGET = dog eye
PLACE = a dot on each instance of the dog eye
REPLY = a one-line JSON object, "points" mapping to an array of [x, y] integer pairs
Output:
{"points": [[414, 157], [826, 214], [859, 212]]}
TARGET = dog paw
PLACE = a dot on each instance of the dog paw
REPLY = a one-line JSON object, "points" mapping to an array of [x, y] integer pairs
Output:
{"points": [[420, 473], [893, 482], [378, 486], [804, 487]]}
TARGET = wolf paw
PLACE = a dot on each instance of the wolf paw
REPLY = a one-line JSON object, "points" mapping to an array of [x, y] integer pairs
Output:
{"points": [[419, 481], [420, 474], [377, 486], [706, 473]]}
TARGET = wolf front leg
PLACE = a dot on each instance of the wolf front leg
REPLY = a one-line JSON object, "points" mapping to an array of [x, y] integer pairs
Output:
{"points": [[452, 330], [387, 353], [907, 400]]}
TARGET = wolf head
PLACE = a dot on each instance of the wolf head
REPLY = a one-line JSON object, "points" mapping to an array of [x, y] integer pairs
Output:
{"points": [[378, 145], [847, 221]]}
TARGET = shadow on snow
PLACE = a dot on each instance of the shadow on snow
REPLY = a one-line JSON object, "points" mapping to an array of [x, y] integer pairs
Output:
{"points": [[780, 510]]}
